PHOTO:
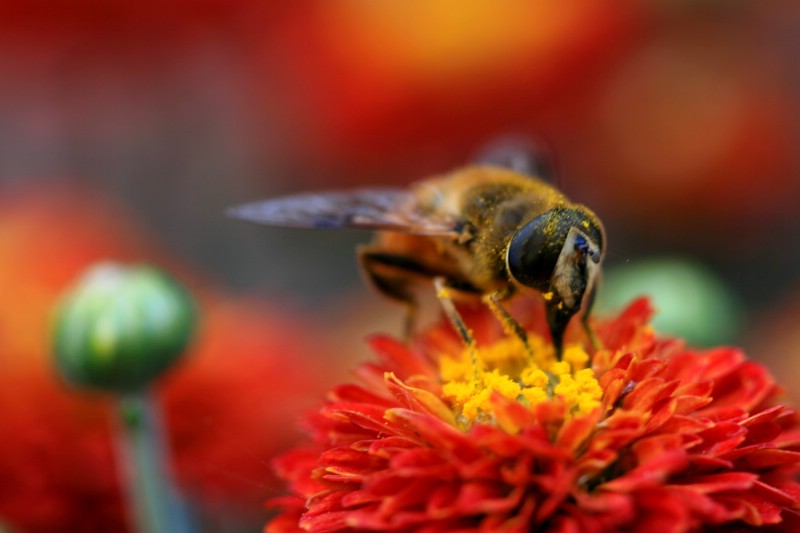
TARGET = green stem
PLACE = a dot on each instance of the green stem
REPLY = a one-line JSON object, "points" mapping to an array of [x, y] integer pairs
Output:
{"points": [[153, 500]]}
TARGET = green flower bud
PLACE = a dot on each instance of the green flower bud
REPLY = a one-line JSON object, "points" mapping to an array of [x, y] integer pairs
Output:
{"points": [[121, 327], [690, 301]]}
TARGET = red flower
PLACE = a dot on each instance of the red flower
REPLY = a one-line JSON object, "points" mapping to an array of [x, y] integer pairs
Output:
{"points": [[228, 407], [670, 440]]}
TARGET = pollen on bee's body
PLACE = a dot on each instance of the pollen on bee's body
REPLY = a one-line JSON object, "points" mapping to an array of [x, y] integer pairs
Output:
{"points": [[507, 369]]}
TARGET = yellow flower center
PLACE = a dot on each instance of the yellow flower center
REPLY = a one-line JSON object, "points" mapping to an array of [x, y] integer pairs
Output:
{"points": [[507, 368]]}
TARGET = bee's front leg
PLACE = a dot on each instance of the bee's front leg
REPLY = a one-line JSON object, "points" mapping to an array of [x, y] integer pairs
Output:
{"points": [[587, 327], [509, 323], [443, 294]]}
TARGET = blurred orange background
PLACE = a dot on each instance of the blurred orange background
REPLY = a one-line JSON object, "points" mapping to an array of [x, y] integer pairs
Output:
{"points": [[676, 121]]}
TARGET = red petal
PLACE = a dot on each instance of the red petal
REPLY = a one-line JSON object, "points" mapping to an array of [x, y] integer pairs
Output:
{"points": [[751, 508], [684, 425], [775, 495], [746, 388], [409, 496], [702, 464], [651, 449], [657, 511], [350, 393], [721, 438], [287, 522], [355, 422], [436, 433], [620, 332], [729, 481], [577, 431], [419, 399], [771, 414], [324, 514], [602, 501], [613, 384], [345, 464], [422, 462], [689, 403], [767, 458], [646, 393], [385, 446], [652, 473], [719, 363], [512, 416], [399, 358], [485, 497], [647, 368]]}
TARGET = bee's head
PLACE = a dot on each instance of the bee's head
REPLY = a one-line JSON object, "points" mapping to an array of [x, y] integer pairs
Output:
{"points": [[558, 253]]}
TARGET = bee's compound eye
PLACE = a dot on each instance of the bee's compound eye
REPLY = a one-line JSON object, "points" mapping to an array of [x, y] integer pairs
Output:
{"points": [[533, 251]]}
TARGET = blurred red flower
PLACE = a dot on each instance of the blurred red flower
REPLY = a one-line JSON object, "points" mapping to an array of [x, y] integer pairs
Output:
{"points": [[652, 437], [228, 408], [374, 81]]}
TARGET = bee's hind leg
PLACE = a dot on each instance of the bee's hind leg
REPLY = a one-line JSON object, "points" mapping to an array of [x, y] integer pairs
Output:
{"points": [[392, 276], [509, 323]]}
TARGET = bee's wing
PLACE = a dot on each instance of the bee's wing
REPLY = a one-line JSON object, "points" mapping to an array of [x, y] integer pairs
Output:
{"points": [[368, 209], [522, 154]]}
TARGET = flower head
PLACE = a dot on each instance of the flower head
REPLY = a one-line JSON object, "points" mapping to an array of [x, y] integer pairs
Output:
{"points": [[644, 435]]}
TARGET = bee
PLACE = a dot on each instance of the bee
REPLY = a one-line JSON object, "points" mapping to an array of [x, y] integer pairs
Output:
{"points": [[485, 230]]}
